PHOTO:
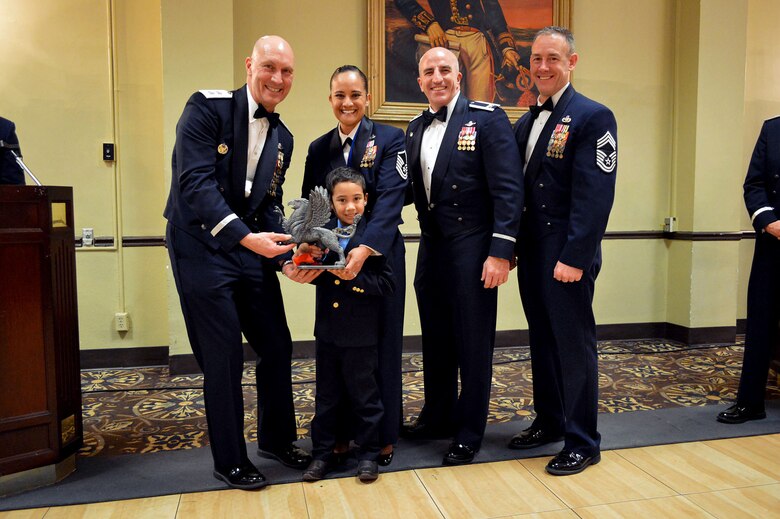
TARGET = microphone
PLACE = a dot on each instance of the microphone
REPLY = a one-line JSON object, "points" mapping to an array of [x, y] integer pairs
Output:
{"points": [[11, 147], [8, 145]]}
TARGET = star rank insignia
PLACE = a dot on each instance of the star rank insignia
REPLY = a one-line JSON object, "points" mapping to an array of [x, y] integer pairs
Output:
{"points": [[467, 138], [606, 153], [558, 141]]}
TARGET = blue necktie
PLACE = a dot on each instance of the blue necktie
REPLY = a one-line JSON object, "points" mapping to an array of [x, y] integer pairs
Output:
{"points": [[342, 241]]}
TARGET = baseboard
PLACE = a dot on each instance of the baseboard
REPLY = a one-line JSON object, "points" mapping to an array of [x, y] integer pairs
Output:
{"points": [[705, 335], [184, 364], [124, 357]]}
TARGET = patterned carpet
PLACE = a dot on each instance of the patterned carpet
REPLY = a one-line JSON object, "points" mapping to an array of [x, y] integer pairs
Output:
{"points": [[138, 410]]}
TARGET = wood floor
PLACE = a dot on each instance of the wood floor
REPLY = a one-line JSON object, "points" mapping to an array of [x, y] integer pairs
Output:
{"points": [[722, 478]]}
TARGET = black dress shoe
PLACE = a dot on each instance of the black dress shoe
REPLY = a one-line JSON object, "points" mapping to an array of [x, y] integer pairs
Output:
{"points": [[459, 454], [385, 459], [533, 437], [288, 455], [423, 431], [741, 414], [367, 470], [316, 470], [245, 477], [567, 462]]}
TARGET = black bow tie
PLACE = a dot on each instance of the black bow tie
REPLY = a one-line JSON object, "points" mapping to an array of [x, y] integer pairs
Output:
{"points": [[537, 109], [429, 116], [273, 117]]}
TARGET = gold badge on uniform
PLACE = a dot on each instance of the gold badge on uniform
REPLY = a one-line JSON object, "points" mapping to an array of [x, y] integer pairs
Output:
{"points": [[467, 138], [369, 156], [222, 149], [276, 179], [558, 141]]}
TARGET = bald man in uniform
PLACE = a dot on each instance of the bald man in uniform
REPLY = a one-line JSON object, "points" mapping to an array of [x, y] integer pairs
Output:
{"points": [[224, 235], [469, 196]]}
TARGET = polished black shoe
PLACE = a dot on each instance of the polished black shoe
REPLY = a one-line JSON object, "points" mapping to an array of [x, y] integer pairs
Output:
{"points": [[289, 455], [423, 431], [385, 459], [316, 470], [533, 437], [567, 463], [245, 477], [741, 414], [459, 454], [367, 470]]}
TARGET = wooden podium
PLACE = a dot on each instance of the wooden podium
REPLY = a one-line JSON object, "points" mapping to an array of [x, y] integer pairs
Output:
{"points": [[40, 394]]}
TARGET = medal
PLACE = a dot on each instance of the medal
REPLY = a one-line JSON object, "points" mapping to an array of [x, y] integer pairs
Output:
{"points": [[558, 141], [467, 138], [369, 156], [277, 176]]}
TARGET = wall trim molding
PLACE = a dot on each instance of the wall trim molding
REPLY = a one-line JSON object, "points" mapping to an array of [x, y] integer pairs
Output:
{"points": [[143, 241], [184, 364], [159, 241], [706, 236]]}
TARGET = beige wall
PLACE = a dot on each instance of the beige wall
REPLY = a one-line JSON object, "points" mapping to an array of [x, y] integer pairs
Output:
{"points": [[69, 90]]}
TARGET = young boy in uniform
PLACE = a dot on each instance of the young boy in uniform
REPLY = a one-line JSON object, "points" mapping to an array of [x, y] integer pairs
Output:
{"points": [[346, 331]]}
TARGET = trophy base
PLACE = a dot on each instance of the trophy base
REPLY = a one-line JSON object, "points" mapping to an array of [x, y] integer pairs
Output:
{"points": [[322, 267]]}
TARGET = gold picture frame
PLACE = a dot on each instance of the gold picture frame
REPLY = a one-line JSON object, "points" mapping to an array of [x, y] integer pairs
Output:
{"points": [[389, 103]]}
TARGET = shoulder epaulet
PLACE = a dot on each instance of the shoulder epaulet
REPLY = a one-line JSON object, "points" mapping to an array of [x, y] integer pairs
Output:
{"points": [[415, 117], [482, 105], [773, 118], [216, 94]]}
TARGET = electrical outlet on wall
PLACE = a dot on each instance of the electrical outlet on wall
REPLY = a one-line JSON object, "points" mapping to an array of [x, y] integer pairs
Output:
{"points": [[670, 224], [122, 321]]}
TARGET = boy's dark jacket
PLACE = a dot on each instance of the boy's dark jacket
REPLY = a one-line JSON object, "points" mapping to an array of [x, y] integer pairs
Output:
{"points": [[348, 311]]}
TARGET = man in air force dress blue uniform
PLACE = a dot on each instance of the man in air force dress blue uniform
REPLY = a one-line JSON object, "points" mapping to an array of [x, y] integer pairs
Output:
{"points": [[569, 149], [223, 235], [468, 194]]}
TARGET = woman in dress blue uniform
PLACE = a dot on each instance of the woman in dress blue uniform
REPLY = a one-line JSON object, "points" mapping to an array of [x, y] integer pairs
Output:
{"points": [[377, 151]]}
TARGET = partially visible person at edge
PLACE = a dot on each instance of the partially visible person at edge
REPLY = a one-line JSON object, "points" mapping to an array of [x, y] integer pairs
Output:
{"points": [[377, 152], [568, 145], [763, 297], [469, 197], [10, 172], [224, 240]]}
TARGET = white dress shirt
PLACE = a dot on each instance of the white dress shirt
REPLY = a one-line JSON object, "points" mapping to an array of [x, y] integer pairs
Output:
{"points": [[431, 142], [258, 131], [343, 136]]}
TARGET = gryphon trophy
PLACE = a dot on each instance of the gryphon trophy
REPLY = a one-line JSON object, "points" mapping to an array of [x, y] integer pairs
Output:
{"points": [[305, 226]]}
